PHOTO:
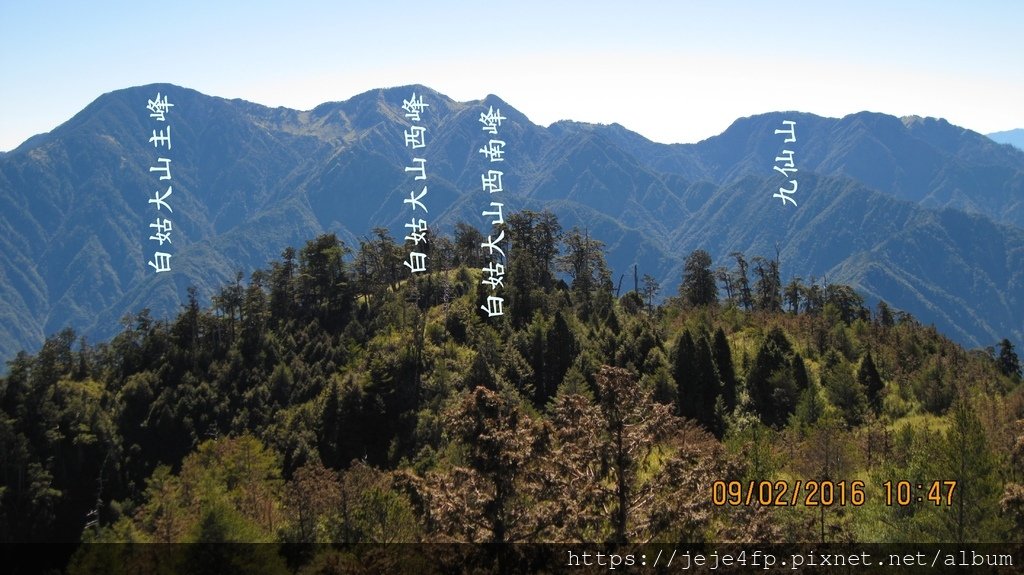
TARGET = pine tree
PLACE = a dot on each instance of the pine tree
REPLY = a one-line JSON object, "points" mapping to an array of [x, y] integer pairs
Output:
{"points": [[650, 290], [491, 495], [842, 390], [770, 381], [743, 281], [185, 330], [826, 456], [800, 373], [683, 371], [313, 494], [534, 238], [609, 487], [723, 362], [723, 275], [480, 375], [1008, 362], [768, 286], [323, 283], [282, 294], [254, 315], [871, 382], [792, 294], [699, 287], [467, 246], [560, 351], [813, 296], [584, 261], [707, 386], [883, 314], [965, 456], [809, 408], [849, 303], [340, 435]]}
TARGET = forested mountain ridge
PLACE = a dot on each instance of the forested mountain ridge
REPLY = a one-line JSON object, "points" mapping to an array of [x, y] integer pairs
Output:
{"points": [[250, 180], [327, 398]]}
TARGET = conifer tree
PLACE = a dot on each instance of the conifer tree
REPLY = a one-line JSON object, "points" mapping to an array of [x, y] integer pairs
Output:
{"points": [[650, 290], [965, 456], [584, 261], [489, 500], [793, 293], [1008, 362], [871, 382], [842, 390], [768, 286], [723, 362], [883, 314], [467, 246], [609, 486], [800, 373], [560, 351], [743, 281], [770, 382], [809, 408], [699, 287], [707, 386], [683, 371]]}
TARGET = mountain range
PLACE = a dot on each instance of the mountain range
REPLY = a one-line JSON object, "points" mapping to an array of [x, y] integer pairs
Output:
{"points": [[921, 213]]}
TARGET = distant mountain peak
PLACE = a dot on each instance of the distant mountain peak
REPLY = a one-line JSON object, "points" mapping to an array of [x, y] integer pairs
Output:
{"points": [[1014, 138], [914, 120], [911, 120]]}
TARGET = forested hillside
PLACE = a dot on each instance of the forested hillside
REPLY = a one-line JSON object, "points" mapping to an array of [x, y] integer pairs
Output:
{"points": [[330, 398]]}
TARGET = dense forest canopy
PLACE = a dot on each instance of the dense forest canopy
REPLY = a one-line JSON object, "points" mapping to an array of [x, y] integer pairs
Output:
{"points": [[334, 398]]}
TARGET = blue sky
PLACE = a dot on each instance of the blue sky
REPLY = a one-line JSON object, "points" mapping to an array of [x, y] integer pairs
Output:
{"points": [[672, 71]]}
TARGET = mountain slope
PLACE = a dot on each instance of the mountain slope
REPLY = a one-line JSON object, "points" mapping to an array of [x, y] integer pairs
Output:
{"points": [[923, 160], [960, 271]]}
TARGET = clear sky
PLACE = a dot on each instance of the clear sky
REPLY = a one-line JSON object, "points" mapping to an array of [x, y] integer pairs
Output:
{"points": [[672, 71]]}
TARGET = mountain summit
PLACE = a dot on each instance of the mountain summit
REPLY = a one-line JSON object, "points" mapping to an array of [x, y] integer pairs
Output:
{"points": [[921, 213]]}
